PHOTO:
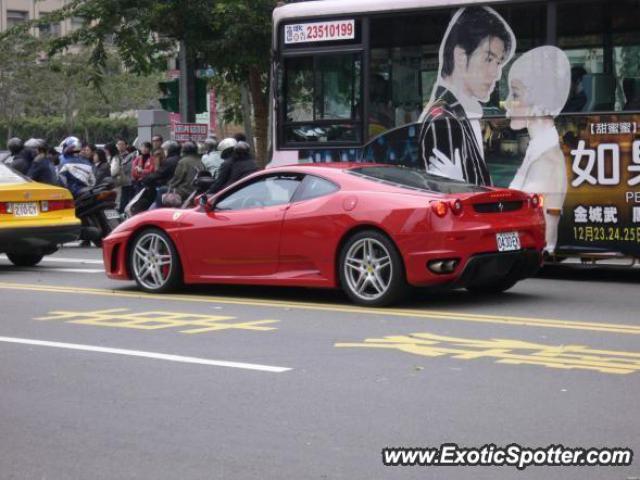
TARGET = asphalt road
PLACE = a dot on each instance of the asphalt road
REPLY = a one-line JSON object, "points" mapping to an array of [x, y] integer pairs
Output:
{"points": [[99, 381]]}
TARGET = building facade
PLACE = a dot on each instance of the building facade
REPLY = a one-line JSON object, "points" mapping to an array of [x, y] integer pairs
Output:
{"points": [[13, 12]]}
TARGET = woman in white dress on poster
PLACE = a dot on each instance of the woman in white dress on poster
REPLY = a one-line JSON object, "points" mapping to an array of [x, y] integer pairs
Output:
{"points": [[539, 83]]}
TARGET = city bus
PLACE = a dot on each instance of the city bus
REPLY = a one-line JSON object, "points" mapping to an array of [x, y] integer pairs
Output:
{"points": [[527, 94]]}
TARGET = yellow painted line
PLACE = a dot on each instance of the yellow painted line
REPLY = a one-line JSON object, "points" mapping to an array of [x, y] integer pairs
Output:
{"points": [[352, 309], [507, 351], [157, 320]]}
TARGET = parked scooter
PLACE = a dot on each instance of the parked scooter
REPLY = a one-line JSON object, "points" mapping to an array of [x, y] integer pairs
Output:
{"points": [[96, 209]]}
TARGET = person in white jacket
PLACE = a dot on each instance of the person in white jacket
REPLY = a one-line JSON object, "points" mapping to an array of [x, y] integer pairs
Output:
{"points": [[539, 83]]}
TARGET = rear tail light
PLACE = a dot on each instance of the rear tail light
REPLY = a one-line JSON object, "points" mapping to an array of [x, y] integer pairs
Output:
{"points": [[536, 201], [439, 208], [53, 205], [4, 207], [456, 206]]}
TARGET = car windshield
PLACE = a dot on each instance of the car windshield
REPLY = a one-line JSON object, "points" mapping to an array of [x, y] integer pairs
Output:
{"points": [[9, 176], [414, 179]]}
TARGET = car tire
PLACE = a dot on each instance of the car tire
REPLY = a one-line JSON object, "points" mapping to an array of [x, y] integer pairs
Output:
{"points": [[154, 262], [25, 259], [371, 270], [498, 286]]}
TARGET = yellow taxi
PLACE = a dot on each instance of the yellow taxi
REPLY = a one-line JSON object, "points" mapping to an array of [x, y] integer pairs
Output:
{"points": [[34, 218]]}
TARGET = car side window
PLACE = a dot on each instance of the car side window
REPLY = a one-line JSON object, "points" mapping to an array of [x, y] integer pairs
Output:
{"points": [[264, 192], [314, 187]]}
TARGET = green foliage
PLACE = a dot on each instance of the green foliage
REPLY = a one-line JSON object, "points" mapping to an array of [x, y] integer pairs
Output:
{"points": [[60, 87], [233, 36], [229, 92], [55, 129]]}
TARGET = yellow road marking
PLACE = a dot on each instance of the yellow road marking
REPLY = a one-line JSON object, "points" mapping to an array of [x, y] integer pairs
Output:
{"points": [[506, 351], [121, 318], [393, 312]]}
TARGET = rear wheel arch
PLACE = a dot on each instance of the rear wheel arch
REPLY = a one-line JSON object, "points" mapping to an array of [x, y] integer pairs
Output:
{"points": [[354, 231]]}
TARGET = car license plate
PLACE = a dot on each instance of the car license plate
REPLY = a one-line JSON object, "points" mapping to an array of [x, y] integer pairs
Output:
{"points": [[508, 242], [112, 214], [25, 209]]}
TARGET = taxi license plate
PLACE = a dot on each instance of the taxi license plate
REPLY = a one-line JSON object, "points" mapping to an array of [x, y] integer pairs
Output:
{"points": [[508, 242], [25, 209], [112, 214]]}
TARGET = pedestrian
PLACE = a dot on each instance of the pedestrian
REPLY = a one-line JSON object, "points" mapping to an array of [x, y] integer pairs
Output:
{"points": [[167, 168], [101, 167], [188, 167], [42, 168], [156, 142], [143, 165], [111, 151], [121, 173], [87, 151], [237, 163]]}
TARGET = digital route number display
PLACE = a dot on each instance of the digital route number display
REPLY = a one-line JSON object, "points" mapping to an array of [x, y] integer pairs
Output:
{"points": [[319, 32]]}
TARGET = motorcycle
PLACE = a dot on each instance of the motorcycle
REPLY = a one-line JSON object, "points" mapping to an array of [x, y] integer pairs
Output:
{"points": [[96, 209], [202, 181]]}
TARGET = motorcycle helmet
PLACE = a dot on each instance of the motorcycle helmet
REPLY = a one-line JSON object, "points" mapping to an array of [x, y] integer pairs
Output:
{"points": [[189, 148], [243, 148], [14, 145], [71, 145], [34, 143], [210, 144], [226, 147]]}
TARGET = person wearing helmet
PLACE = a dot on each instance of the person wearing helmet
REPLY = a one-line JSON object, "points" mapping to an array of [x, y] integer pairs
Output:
{"points": [[42, 168], [74, 172], [168, 144], [211, 159], [33, 144], [237, 163], [187, 169], [20, 158], [71, 147]]}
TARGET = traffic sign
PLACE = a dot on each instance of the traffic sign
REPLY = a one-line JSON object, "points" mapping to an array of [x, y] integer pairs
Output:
{"points": [[195, 132]]}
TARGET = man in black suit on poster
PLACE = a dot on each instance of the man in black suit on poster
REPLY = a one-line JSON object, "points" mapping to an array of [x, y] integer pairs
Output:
{"points": [[476, 45]]}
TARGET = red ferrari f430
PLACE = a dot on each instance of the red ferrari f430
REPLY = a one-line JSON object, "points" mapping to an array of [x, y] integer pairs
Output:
{"points": [[372, 230]]}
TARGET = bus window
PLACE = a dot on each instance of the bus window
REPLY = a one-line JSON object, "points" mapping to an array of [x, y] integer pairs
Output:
{"points": [[322, 99], [404, 66], [602, 42]]}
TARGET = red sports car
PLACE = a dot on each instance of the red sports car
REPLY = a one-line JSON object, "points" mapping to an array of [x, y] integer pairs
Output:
{"points": [[369, 229]]}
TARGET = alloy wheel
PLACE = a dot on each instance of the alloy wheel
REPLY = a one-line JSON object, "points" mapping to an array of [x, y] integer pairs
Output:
{"points": [[153, 262], [368, 269]]}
